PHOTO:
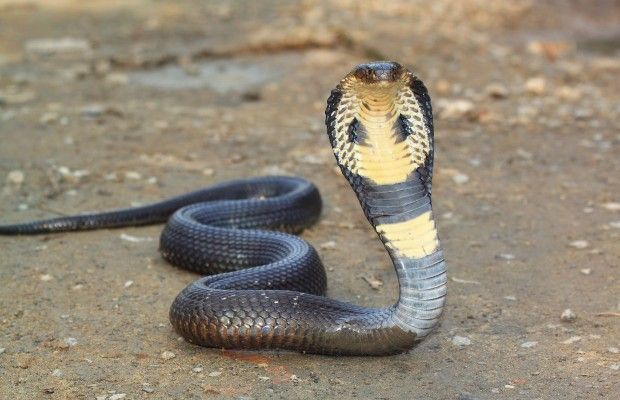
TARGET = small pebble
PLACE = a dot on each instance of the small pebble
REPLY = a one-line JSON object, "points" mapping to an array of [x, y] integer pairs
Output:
{"points": [[46, 277], [133, 175], [48, 118], [461, 341], [496, 91], [505, 256], [568, 93], [92, 110], [135, 239], [57, 373], [613, 350], [128, 284], [312, 159], [373, 282], [15, 177], [466, 396], [612, 206], [148, 389], [528, 345], [117, 396], [329, 245], [454, 108], [71, 341], [586, 271], [469, 281], [168, 355], [2, 350], [460, 179], [572, 339], [579, 244], [264, 378], [117, 78], [475, 162], [64, 170], [615, 224], [615, 367], [511, 298], [111, 176], [536, 86], [582, 114], [215, 374], [57, 45], [568, 315], [524, 154], [295, 379], [197, 370]]}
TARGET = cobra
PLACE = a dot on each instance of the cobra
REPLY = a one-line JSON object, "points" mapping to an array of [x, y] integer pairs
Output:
{"points": [[265, 287]]}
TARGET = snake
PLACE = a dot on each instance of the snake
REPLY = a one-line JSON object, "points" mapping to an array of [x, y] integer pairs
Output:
{"points": [[262, 286]]}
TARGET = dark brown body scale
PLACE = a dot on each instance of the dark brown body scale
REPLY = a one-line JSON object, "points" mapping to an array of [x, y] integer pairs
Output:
{"points": [[265, 287]]}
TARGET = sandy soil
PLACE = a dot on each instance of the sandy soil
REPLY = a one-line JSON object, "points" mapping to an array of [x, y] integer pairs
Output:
{"points": [[146, 99]]}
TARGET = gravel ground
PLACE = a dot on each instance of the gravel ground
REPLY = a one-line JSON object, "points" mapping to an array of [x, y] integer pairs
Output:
{"points": [[106, 104]]}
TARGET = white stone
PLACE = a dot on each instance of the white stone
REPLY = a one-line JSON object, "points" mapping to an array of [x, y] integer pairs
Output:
{"points": [[568, 315], [460, 179], [57, 45], [15, 177], [612, 206], [579, 244], [461, 341], [572, 339], [536, 85], [454, 108]]}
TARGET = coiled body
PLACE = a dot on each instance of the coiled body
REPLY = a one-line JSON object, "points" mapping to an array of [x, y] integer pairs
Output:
{"points": [[265, 287]]}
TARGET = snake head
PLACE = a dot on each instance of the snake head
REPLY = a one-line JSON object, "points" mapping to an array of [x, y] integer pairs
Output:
{"points": [[378, 72]]}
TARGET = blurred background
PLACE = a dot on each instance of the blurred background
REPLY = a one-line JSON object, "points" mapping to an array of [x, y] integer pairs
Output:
{"points": [[111, 103]]}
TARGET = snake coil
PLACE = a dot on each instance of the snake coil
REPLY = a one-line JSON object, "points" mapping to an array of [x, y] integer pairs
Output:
{"points": [[265, 287]]}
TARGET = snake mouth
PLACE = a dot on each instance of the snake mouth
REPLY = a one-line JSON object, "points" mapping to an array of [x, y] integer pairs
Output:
{"points": [[378, 72]]}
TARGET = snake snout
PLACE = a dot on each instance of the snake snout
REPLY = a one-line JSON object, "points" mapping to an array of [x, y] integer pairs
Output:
{"points": [[378, 72]]}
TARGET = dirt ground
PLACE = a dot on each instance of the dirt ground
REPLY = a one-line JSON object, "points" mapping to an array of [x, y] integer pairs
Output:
{"points": [[106, 104]]}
